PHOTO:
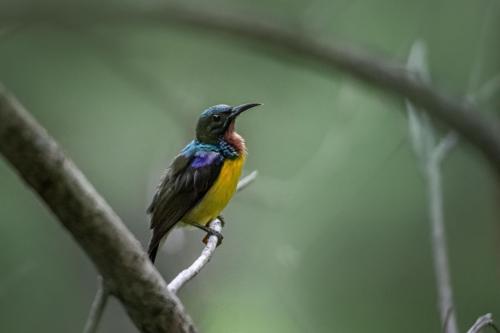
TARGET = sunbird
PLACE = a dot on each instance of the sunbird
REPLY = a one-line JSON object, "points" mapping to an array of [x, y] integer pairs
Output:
{"points": [[202, 178]]}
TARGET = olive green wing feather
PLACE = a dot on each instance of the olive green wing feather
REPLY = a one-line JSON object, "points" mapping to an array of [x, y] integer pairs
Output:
{"points": [[184, 184]]}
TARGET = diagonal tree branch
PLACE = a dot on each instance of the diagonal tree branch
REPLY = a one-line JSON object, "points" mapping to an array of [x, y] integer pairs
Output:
{"points": [[481, 130], [118, 256]]}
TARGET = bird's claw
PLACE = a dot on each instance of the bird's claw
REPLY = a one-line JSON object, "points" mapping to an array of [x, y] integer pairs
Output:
{"points": [[217, 234], [210, 232], [222, 220]]}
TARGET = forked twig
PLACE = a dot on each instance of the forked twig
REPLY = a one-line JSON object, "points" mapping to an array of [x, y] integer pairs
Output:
{"points": [[430, 153]]}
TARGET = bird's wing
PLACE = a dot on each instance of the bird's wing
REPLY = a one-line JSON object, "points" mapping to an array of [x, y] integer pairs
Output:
{"points": [[184, 184]]}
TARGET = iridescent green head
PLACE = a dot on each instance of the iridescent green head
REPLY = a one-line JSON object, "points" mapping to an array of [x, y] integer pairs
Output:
{"points": [[215, 121]]}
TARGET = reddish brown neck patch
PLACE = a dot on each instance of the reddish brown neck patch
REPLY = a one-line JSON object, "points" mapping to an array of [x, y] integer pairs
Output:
{"points": [[234, 139]]}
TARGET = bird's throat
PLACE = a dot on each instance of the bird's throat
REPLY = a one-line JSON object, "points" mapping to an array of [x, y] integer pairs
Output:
{"points": [[234, 139]]}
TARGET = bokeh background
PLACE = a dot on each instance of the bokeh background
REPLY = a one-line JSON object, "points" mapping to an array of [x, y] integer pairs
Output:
{"points": [[333, 236]]}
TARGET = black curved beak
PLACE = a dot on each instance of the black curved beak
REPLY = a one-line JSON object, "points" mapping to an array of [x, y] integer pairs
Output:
{"points": [[237, 110]]}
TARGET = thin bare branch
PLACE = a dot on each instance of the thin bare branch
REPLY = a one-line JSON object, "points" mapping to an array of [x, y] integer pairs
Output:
{"points": [[483, 322], [216, 225], [189, 273], [430, 157], [488, 89], [118, 256], [432, 174], [247, 180], [97, 308], [481, 130], [444, 147]]}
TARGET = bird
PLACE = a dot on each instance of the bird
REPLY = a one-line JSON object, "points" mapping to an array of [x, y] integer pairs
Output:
{"points": [[202, 178]]}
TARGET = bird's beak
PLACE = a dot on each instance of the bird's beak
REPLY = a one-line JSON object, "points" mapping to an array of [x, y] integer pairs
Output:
{"points": [[237, 110]]}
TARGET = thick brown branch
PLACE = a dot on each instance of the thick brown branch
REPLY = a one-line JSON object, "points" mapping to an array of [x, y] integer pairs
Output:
{"points": [[477, 128], [119, 257]]}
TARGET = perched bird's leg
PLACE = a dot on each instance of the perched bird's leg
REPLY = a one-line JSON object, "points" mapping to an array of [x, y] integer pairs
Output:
{"points": [[222, 220], [210, 232]]}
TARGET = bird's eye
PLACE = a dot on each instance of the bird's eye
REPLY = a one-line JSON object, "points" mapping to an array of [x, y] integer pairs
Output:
{"points": [[216, 117]]}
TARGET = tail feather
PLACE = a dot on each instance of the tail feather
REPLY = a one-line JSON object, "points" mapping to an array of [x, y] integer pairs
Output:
{"points": [[157, 240], [152, 251]]}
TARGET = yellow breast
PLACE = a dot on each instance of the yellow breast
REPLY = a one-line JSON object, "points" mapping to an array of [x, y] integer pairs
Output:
{"points": [[219, 194]]}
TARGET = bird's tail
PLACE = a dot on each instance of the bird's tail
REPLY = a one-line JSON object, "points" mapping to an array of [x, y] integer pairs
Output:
{"points": [[155, 243], [152, 251]]}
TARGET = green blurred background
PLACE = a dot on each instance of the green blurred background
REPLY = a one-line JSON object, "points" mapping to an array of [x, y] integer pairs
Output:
{"points": [[333, 236]]}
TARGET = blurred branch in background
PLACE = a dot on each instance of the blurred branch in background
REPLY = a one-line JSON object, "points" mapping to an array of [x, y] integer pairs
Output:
{"points": [[480, 47], [247, 180], [482, 130], [458, 113], [164, 96], [487, 90], [483, 322], [97, 308], [430, 153], [118, 256]]}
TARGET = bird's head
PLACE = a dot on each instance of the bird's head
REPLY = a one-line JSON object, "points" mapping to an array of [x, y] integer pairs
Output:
{"points": [[216, 121]]}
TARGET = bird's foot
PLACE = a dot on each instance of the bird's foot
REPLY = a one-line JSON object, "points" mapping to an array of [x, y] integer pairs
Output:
{"points": [[222, 220], [217, 234], [210, 232]]}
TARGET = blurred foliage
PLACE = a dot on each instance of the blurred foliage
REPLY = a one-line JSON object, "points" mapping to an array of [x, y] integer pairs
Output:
{"points": [[333, 236]]}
